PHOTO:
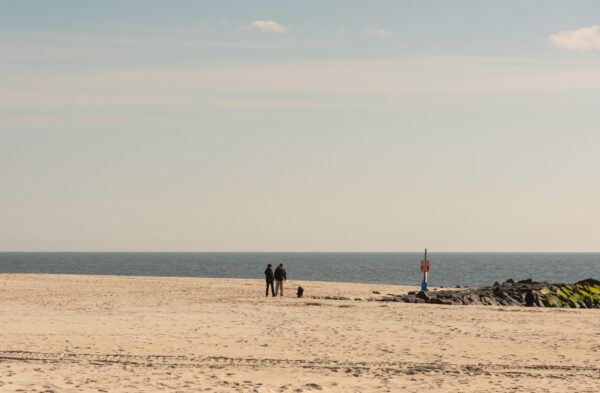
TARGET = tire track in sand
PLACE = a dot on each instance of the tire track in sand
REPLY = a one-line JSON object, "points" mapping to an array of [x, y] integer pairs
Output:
{"points": [[378, 369]]}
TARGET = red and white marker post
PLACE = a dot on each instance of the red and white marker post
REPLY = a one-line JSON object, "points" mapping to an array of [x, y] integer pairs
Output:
{"points": [[425, 270]]}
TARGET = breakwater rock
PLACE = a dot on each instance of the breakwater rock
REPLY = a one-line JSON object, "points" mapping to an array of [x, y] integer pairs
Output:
{"points": [[528, 293]]}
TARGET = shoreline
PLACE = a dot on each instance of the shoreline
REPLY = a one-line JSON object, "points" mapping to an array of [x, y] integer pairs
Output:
{"points": [[290, 284]]}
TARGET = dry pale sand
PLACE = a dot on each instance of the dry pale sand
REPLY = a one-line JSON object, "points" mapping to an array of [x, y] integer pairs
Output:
{"points": [[65, 333]]}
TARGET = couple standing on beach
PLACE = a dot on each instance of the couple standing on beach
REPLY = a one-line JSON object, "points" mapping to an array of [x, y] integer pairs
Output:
{"points": [[278, 276]]}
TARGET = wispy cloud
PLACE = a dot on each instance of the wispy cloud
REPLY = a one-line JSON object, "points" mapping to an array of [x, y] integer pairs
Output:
{"points": [[268, 26], [262, 84], [138, 29], [378, 32], [584, 38], [23, 48]]}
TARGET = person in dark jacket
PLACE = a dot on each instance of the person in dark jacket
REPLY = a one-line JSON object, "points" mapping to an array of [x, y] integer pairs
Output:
{"points": [[269, 277], [280, 275]]}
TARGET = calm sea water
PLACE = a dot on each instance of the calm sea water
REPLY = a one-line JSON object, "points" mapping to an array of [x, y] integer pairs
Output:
{"points": [[447, 269]]}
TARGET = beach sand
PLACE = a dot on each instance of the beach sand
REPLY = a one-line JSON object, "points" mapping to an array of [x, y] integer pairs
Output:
{"points": [[67, 333]]}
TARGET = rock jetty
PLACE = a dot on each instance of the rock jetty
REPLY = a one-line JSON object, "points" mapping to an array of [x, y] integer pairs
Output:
{"points": [[528, 293]]}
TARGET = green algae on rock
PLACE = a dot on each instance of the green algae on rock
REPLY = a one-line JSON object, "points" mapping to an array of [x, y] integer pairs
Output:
{"points": [[528, 293]]}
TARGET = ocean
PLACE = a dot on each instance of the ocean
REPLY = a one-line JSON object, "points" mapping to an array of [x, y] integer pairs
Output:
{"points": [[447, 269]]}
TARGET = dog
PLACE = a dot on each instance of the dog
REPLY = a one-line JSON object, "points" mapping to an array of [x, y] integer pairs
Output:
{"points": [[300, 291]]}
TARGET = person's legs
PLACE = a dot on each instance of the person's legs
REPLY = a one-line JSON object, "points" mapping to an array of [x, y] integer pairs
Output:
{"points": [[272, 290], [278, 287]]}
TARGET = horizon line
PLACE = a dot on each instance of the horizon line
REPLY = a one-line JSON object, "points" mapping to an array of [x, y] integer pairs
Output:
{"points": [[306, 252]]}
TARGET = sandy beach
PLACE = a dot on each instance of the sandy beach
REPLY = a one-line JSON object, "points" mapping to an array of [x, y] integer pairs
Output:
{"points": [[67, 333]]}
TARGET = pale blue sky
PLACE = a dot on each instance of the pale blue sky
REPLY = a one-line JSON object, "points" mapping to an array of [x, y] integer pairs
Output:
{"points": [[300, 126]]}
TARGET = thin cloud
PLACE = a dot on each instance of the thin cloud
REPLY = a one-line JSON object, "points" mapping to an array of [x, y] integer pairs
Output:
{"points": [[378, 32], [302, 83], [584, 38], [268, 26]]}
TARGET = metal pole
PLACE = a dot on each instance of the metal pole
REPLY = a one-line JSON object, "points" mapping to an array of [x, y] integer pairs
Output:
{"points": [[425, 272]]}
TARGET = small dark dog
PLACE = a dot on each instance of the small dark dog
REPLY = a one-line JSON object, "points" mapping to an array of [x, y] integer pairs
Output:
{"points": [[300, 291]]}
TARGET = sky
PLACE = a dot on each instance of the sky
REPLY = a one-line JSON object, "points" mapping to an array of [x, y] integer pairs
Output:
{"points": [[300, 126]]}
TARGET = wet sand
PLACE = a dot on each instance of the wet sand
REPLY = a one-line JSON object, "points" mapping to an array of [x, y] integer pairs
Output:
{"points": [[66, 333]]}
